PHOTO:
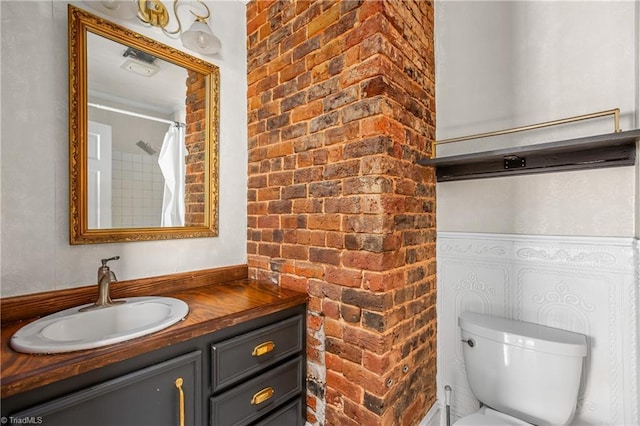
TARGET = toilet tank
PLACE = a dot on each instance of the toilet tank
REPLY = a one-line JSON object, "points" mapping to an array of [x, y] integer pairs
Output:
{"points": [[526, 370]]}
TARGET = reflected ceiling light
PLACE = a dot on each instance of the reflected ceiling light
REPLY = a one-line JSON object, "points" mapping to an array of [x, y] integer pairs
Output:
{"points": [[141, 68], [198, 37]]}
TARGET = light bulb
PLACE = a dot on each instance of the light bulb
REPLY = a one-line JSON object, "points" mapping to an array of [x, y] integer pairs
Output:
{"points": [[111, 4], [201, 40]]}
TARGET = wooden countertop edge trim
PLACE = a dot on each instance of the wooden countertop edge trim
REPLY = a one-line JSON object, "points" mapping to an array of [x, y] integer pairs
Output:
{"points": [[101, 357], [18, 308]]}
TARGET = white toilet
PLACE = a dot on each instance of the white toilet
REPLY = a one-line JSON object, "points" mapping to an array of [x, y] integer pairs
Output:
{"points": [[522, 373]]}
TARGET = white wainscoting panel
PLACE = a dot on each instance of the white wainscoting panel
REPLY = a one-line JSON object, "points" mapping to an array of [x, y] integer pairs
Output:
{"points": [[587, 285]]}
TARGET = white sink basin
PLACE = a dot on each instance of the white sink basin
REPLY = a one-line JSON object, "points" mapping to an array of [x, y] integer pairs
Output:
{"points": [[71, 330]]}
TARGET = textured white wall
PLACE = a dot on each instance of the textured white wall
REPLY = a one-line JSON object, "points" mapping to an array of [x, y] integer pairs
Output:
{"points": [[588, 285], [35, 252], [511, 63]]}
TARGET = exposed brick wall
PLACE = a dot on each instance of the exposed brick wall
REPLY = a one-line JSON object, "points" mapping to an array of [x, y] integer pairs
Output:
{"points": [[341, 105], [195, 135]]}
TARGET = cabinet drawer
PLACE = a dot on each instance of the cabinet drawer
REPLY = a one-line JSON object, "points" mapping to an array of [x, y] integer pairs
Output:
{"points": [[148, 397], [255, 398], [242, 356], [289, 415]]}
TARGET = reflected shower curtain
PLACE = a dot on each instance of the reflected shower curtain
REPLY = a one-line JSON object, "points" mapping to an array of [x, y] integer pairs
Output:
{"points": [[172, 164]]}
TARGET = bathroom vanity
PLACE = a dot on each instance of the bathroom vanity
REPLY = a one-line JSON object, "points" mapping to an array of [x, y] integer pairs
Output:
{"points": [[238, 358]]}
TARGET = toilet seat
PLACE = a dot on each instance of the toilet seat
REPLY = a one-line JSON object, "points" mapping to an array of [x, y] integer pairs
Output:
{"points": [[488, 417]]}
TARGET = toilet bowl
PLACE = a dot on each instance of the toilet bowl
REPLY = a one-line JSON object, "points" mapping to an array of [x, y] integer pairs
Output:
{"points": [[523, 373], [488, 417]]}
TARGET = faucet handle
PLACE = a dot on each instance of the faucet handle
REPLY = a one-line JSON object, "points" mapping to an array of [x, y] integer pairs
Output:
{"points": [[104, 261]]}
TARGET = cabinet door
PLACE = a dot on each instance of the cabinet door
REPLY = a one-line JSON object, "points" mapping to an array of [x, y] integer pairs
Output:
{"points": [[153, 396]]}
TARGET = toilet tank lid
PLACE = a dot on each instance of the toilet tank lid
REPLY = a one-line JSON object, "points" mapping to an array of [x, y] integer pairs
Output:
{"points": [[524, 334]]}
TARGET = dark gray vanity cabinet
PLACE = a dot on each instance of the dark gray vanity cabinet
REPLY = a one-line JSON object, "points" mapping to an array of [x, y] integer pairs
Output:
{"points": [[167, 393], [249, 379], [250, 373]]}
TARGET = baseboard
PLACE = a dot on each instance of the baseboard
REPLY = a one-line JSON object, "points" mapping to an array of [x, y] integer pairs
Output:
{"points": [[432, 418]]}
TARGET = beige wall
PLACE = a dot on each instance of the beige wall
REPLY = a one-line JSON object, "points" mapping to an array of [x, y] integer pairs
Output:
{"points": [[506, 64], [36, 255]]}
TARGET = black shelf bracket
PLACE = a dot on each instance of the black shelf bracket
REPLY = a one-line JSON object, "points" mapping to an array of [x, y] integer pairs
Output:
{"points": [[514, 162]]}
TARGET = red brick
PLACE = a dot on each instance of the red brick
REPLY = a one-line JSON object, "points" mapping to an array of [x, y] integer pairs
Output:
{"points": [[343, 133], [379, 364], [295, 252], [309, 270], [340, 96], [344, 386], [335, 240], [382, 125], [350, 313], [317, 239], [332, 327], [266, 194], [307, 111], [368, 9], [336, 417], [324, 20], [279, 63], [382, 281], [369, 380], [270, 250], [367, 340], [326, 52], [324, 255], [256, 22], [343, 276], [359, 413], [291, 71], [314, 304], [314, 322], [331, 308], [294, 283], [367, 69], [325, 221], [333, 362]]}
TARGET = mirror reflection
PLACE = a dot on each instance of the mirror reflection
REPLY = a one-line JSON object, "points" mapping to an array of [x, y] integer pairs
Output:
{"points": [[143, 136], [136, 137]]}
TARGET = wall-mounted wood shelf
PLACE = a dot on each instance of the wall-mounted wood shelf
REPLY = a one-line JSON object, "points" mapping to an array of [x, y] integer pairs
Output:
{"points": [[609, 150]]}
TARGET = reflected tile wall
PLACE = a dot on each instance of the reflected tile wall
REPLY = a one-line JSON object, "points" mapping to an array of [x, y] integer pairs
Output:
{"points": [[137, 190]]}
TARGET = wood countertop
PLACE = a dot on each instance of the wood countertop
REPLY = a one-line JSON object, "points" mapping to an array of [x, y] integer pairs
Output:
{"points": [[211, 308]]}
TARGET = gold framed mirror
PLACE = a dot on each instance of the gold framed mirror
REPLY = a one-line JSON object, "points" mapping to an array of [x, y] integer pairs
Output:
{"points": [[143, 137]]}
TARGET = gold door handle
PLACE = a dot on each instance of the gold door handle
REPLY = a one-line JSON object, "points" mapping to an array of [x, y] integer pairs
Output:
{"points": [[179, 382], [263, 348], [262, 395]]}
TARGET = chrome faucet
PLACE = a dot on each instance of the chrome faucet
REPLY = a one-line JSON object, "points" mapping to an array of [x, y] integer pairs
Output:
{"points": [[105, 278]]}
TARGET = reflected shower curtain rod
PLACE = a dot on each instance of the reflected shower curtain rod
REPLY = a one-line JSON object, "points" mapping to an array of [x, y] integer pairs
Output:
{"points": [[135, 114]]}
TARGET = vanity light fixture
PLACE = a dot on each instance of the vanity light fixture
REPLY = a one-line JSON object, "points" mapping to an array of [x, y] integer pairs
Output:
{"points": [[198, 37]]}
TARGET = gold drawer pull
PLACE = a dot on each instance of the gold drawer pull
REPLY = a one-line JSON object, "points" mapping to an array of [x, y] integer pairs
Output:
{"points": [[181, 404], [262, 396], [263, 348]]}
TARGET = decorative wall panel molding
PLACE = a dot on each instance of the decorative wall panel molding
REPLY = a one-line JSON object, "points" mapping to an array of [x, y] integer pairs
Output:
{"points": [[587, 285]]}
